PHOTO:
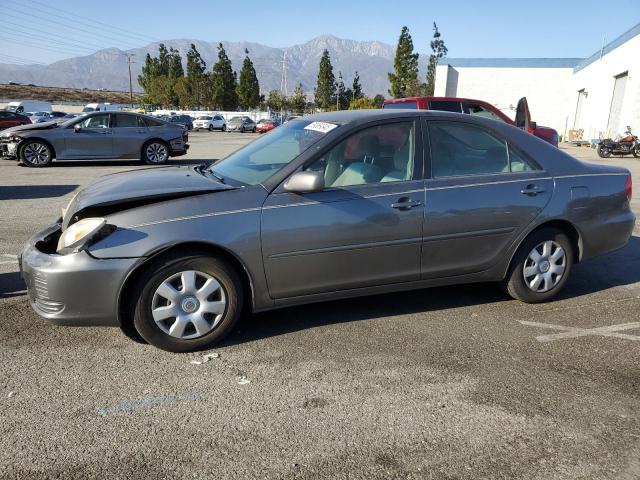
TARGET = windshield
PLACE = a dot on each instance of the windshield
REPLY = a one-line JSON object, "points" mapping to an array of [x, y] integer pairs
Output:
{"points": [[236, 120], [88, 109], [204, 118], [263, 157], [12, 108]]}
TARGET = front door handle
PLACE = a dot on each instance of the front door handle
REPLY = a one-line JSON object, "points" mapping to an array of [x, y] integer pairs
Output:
{"points": [[532, 190], [405, 203]]}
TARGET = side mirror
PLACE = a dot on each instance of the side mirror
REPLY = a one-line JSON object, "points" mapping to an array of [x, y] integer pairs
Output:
{"points": [[305, 182], [77, 127], [533, 125]]}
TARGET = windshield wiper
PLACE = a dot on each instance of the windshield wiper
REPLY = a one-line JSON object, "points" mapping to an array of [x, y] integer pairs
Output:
{"points": [[219, 177]]}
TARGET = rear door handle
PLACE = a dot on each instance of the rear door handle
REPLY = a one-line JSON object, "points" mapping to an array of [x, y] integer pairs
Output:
{"points": [[532, 190], [405, 203]]}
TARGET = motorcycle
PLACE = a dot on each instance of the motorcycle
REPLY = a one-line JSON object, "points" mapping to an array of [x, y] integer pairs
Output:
{"points": [[629, 144]]}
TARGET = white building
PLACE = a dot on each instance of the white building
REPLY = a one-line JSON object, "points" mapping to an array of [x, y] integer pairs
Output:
{"points": [[599, 94]]}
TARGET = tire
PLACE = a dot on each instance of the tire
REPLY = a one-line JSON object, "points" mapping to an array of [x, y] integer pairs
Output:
{"points": [[241, 129], [254, 130], [155, 152], [178, 333], [521, 283], [603, 152], [224, 128], [36, 154], [210, 128], [636, 151]]}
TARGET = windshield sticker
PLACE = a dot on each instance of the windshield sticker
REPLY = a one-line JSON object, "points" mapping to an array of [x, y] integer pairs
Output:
{"points": [[322, 127]]}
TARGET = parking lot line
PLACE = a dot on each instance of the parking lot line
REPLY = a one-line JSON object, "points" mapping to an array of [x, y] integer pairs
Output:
{"points": [[575, 332]]}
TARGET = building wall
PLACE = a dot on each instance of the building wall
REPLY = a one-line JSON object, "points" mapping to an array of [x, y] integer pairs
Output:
{"points": [[597, 79], [546, 89]]}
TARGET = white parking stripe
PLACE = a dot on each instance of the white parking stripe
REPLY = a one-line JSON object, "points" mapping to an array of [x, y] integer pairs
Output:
{"points": [[574, 332]]}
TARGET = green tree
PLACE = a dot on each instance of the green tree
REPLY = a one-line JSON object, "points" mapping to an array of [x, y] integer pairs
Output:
{"points": [[378, 101], [298, 100], [356, 87], [248, 86], [224, 82], [196, 77], [276, 102], [325, 93], [163, 60], [438, 50], [405, 66], [362, 103], [343, 99]]}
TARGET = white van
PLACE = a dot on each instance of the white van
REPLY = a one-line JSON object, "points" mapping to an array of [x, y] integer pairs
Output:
{"points": [[24, 106], [101, 107]]}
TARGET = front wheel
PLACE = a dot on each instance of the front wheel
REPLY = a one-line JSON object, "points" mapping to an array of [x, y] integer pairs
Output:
{"points": [[636, 151], [187, 303], [155, 152], [210, 128], [540, 267], [36, 154], [603, 152]]}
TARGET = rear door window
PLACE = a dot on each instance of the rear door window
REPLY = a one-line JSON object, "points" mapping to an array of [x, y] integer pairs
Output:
{"points": [[125, 121], [480, 111], [445, 106]]}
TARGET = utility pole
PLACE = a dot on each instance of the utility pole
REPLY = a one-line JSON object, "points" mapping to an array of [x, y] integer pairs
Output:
{"points": [[283, 80], [129, 55]]}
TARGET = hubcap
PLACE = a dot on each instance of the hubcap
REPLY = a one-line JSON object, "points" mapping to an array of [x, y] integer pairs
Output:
{"points": [[188, 304], [36, 153], [544, 266], [156, 152]]}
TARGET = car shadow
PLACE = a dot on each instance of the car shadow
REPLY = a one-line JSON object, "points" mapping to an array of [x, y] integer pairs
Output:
{"points": [[11, 285], [25, 192], [620, 268]]}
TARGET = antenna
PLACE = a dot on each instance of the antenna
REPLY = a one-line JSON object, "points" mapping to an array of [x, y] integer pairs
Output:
{"points": [[283, 80]]}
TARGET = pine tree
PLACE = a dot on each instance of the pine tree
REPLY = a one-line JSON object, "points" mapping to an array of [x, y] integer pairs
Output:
{"points": [[325, 92], [356, 88], [175, 69], [248, 87], [224, 82], [342, 100], [163, 60], [195, 77], [298, 100], [276, 101], [405, 65], [378, 100], [438, 50]]}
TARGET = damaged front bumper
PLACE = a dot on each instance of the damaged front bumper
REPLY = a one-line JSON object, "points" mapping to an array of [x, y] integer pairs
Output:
{"points": [[8, 149], [72, 289]]}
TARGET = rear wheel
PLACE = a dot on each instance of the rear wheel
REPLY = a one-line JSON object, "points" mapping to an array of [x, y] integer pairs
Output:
{"points": [[155, 152], [36, 154], [603, 152], [224, 128], [187, 303], [540, 267]]}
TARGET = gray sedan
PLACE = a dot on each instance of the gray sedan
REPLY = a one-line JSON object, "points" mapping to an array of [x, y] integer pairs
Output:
{"points": [[98, 135], [328, 206]]}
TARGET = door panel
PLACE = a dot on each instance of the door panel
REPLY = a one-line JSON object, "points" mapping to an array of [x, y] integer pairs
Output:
{"points": [[93, 140], [483, 194], [129, 133], [342, 238], [363, 229]]}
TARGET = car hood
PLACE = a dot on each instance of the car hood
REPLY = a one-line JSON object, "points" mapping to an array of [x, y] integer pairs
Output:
{"points": [[124, 190], [30, 126]]}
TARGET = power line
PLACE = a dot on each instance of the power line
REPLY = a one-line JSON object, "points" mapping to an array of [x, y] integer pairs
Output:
{"points": [[23, 28], [23, 42], [75, 28], [112, 27], [19, 60], [18, 34]]}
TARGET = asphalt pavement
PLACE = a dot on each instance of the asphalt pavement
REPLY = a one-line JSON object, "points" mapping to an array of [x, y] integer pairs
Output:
{"points": [[448, 383]]}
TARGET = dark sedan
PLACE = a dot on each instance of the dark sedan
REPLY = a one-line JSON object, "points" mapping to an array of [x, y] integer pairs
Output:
{"points": [[97, 135], [325, 207]]}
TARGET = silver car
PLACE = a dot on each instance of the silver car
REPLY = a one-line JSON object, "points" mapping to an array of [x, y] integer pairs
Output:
{"points": [[327, 206], [98, 135]]}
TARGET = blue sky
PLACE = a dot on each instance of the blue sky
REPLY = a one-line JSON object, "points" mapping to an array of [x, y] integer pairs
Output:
{"points": [[499, 28]]}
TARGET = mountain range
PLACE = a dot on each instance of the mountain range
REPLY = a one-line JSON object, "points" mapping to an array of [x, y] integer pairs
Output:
{"points": [[108, 68]]}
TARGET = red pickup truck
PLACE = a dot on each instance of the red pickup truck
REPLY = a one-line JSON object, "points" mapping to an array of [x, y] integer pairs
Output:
{"points": [[477, 107]]}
